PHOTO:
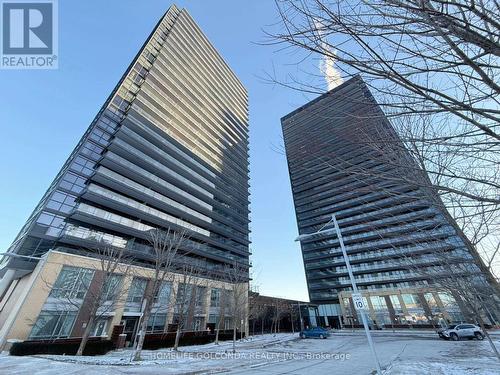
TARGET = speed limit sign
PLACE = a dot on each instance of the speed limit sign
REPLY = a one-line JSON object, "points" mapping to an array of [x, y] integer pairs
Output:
{"points": [[359, 302]]}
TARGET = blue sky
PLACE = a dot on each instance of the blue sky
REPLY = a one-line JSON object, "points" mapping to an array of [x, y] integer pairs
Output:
{"points": [[44, 113]]}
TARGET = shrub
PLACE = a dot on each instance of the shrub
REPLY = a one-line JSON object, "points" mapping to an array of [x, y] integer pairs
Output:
{"points": [[154, 341], [69, 347]]}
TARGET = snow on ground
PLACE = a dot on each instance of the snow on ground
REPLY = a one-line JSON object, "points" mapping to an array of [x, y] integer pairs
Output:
{"points": [[189, 359], [453, 367], [345, 352]]}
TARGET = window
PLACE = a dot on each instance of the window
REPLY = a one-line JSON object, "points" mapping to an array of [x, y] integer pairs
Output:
{"points": [[100, 327], [200, 296], [150, 57], [141, 71], [111, 287], [137, 289], [396, 304], [72, 182], [61, 202], [53, 324], [91, 150], [83, 166], [99, 136], [378, 303], [184, 292], [215, 298], [163, 294], [198, 324], [72, 283], [107, 124], [49, 224], [410, 301], [156, 323], [447, 300]]}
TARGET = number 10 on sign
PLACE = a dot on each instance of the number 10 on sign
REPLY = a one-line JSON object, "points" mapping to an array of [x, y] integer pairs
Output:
{"points": [[359, 302]]}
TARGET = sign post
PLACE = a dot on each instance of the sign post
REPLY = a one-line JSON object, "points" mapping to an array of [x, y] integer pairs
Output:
{"points": [[358, 300]]}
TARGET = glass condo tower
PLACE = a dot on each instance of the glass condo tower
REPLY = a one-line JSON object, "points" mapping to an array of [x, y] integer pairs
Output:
{"points": [[168, 149], [339, 164]]}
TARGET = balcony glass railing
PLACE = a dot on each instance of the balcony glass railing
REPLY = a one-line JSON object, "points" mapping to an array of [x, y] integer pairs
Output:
{"points": [[111, 217], [151, 193], [155, 179], [145, 209], [86, 234], [367, 217], [336, 254], [362, 207], [148, 145], [160, 167], [411, 228]]}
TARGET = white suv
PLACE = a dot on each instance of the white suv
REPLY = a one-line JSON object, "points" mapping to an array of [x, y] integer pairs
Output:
{"points": [[461, 331]]}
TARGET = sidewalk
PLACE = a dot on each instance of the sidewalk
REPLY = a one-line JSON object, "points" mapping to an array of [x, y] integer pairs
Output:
{"points": [[399, 332]]}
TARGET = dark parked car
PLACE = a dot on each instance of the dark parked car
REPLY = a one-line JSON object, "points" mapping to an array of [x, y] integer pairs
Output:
{"points": [[315, 332], [457, 332]]}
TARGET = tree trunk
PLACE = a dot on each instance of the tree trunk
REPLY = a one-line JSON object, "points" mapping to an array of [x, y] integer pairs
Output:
{"points": [[85, 337], [142, 331], [90, 322], [217, 329], [177, 338], [262, 324], [234, 338], [493, 347]]}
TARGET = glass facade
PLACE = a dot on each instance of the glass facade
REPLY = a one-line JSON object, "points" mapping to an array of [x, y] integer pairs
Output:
{"points": [[72, 283], [408, 308], [53, 324], [332, 147], [169, 149]]}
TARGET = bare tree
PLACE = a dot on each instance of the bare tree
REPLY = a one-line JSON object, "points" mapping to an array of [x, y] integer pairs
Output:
{"points": [[107, 293], [165, 245], [98, 289], [257, 310], [237, 278], [280, 309], [294, 314], [187, 298], [222, 298], [434, 67], [456, 275], [427, 56]]}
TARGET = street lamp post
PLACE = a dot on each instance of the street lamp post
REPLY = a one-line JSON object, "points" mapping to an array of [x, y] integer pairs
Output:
{"points": [[353, 283]]}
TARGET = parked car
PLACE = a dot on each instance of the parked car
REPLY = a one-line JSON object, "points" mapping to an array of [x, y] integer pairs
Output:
{"points": [[457, 332], [441, 330], [315, 332]]}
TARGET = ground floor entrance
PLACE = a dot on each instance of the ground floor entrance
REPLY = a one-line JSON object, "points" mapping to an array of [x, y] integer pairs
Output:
{"points": [[130, 325]]}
